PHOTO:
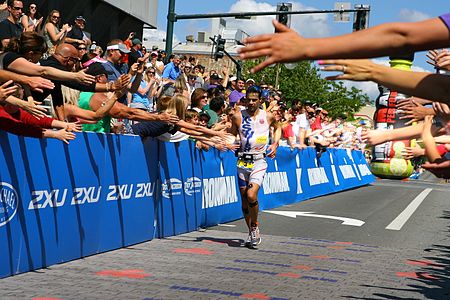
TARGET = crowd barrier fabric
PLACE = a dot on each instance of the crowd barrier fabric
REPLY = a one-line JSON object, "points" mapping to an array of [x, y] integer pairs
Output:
{"points": [[61, 202]]}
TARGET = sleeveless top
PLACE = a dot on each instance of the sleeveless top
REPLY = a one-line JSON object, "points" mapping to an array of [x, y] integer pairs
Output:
{"points": [[48, 39], [254, 134], [104, 125]]}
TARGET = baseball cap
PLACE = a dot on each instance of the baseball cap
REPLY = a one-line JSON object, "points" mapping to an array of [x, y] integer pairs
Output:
{"points": [[136, 42], [154, 53], [215, 76], [121, 47], [96, 69], [233, 78], [81, 18], [250, 80]]}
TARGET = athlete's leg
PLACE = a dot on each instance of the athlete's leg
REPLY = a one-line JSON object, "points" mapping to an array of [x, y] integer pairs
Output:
{"points": [[252, 198], [245, 208]]}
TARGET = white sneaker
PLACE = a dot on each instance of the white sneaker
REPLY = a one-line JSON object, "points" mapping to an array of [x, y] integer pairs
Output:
{"points": [[255, 237], [248, 242]]}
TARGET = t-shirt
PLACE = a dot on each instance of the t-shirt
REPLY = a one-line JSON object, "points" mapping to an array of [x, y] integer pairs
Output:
{"points": [[235, 96], [114, 72], [446, 19], [57, 96], [171, 71], [75, 33], [9, 30]]}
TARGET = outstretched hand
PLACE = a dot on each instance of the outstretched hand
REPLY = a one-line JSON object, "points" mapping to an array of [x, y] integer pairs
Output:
{"points": [[352, 69], [284, 46]]}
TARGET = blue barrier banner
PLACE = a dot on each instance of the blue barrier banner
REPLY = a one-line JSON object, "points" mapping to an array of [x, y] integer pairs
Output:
{"points": [[221, 201], [179, 203], [61, 202]]}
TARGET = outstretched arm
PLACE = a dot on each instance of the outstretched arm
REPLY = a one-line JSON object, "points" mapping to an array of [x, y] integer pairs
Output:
{"points": [[386, 39], [434, 87]]}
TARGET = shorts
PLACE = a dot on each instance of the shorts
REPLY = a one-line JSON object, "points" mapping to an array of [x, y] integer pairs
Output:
{"points": [[254, 175]]}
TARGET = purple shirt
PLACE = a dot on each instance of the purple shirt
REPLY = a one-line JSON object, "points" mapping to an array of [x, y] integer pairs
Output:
{"points": [[446, 19], [235, 96]]}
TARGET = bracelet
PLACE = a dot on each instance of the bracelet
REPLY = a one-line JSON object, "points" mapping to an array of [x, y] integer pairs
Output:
{"points": [[108, 86]]}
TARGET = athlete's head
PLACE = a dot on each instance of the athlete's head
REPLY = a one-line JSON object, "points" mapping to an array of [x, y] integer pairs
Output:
{"points": [[253, 97]]}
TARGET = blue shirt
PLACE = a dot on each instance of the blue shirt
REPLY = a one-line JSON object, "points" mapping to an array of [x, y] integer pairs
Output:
{"points": [[171, 71], [140, 98]]}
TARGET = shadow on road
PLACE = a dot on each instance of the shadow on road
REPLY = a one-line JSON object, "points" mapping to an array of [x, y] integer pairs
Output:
{"points": [[431, 278]]}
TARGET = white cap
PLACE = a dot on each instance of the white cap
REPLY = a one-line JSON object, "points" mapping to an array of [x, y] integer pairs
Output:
{"points": [[233, 78]]}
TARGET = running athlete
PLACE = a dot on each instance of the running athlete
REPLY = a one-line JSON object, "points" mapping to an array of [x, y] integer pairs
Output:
{"points": [[253, 126]]}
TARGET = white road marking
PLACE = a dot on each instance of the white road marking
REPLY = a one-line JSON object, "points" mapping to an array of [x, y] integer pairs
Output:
{"points": [[404, 216], [294, 214], [226, 225]]}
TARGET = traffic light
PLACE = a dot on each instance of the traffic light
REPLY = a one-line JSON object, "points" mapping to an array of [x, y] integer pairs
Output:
{"points": [[284, 19], [220, 47], [361, 18]]}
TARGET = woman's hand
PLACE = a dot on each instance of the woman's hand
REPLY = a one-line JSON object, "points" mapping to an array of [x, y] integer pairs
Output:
{"points": [[352, 69], [6, 90]]}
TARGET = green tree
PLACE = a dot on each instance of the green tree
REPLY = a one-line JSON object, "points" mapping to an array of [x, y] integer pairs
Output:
{"points": [[303, 83]]}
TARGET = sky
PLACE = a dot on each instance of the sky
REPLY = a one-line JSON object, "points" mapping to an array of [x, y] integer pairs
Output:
{"points": [[318, 25]]}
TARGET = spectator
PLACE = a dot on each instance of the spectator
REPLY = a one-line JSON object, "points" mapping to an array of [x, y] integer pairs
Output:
{"points": [[82, 50], [146, 92], [155, 63], [114, 66], [52, 34], [135, 52], [172, 70], [216, 108], [238, 93], [17, 121], [22, 56], [77, 35], [10, 27], [32, 19], [94, 101], [199, 99], [249, 82]]}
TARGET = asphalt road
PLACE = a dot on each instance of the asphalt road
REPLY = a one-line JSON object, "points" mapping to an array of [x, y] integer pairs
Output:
{"points": [[396, 245], [377, 205]]}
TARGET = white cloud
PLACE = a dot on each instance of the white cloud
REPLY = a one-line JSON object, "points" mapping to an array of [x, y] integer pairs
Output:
{"points": [[410, 15], [155, 35], [307, 25]]}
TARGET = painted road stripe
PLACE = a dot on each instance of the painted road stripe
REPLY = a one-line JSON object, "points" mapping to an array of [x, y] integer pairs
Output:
{"points": [[404, 216], [226, 225]]}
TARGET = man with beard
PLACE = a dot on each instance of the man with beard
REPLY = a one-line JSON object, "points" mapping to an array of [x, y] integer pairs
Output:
{"points": [[253, 126]]}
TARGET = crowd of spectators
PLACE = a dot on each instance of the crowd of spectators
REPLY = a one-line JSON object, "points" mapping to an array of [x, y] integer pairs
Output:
{"points": [[123, 88]]}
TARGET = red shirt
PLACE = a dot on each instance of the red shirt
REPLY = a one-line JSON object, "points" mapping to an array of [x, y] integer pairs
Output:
{"points": [[23, 123]]}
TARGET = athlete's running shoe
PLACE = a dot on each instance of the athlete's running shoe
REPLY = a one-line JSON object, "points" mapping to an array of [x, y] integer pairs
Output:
{"points": [[255, 237], [248, 242]]}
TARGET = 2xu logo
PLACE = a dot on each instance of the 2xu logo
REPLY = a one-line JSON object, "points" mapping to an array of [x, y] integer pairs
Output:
{"points": [[8, 203]]}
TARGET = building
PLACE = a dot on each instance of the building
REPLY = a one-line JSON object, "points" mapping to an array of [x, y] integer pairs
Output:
{"points": [[107, 19]]}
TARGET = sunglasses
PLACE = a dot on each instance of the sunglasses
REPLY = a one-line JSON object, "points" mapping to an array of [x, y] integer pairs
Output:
{"points": [[82, 48], [32, 7], [56, 17], [17, 8]]}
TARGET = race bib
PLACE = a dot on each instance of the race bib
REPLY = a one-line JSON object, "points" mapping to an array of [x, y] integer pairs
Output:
{"points": [[261, 139]]}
